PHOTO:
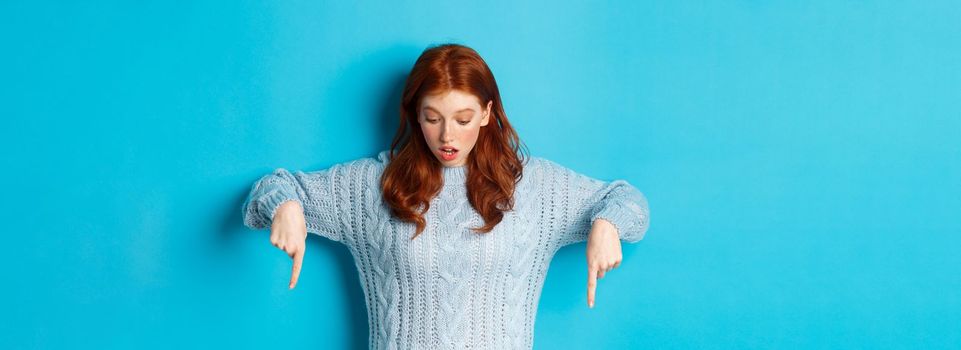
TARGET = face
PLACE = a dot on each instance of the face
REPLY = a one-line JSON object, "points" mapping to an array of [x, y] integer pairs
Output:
{"points": [[451, 121]]}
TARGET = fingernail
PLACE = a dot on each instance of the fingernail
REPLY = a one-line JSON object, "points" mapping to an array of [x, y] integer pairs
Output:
{"points": [[591, 304]]}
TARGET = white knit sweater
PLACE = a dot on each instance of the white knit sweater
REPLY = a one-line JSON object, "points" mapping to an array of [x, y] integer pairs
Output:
{"points": [[451, 288]]}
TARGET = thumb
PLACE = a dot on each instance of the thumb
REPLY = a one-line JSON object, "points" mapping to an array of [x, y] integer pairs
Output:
{"points": [[298, 261]]}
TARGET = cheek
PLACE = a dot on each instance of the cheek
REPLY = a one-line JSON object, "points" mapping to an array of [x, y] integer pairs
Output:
{"points": [[472, 134], [428, 132]]}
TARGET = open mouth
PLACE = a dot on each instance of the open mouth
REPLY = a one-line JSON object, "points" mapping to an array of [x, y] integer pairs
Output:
{"points": [[448, 152]]}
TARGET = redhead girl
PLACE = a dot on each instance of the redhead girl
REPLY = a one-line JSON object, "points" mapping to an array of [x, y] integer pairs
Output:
{"points": [[453, 228]]}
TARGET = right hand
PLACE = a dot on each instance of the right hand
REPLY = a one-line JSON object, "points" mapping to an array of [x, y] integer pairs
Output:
{"points": [[288, 231]]}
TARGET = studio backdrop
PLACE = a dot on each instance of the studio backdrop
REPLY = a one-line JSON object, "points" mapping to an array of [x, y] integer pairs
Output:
{"points": [[801, 161]]}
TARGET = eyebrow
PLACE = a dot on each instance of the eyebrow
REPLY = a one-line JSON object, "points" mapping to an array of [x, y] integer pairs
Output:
{"points": [[438, 112]]}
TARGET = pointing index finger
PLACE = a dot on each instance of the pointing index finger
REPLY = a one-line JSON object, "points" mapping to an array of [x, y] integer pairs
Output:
{"points": [[591, 285], [298, 261]]}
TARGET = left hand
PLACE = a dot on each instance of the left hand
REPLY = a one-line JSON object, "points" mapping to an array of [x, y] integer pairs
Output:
{"points": [[603, 254]]}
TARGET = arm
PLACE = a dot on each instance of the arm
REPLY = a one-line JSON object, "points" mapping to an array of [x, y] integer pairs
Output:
{"points": [[316, 192], [582, 200]]}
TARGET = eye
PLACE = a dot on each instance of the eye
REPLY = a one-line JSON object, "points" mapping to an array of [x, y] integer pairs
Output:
{"points": [[464, 123], [432, 121]]}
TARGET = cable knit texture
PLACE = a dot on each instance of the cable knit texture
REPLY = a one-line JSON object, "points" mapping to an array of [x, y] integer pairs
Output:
{"points": [[451, 288]]}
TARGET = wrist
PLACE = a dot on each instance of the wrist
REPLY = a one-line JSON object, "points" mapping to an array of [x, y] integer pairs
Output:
{"points": [[604, 225], [602, 222], [289, 205]]}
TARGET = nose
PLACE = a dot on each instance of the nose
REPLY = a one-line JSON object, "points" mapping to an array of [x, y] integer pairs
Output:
{"points": [[447, 134]]}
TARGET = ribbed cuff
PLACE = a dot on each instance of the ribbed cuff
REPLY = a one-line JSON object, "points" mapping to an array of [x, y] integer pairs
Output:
{"points": [[274, 200], [623, 216]]}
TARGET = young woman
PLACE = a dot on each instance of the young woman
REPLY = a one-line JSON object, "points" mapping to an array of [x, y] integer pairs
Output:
{"points": [[453, 228]]}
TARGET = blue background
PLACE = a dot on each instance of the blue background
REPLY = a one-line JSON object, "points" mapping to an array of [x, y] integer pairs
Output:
{"points": [[801, 159]]}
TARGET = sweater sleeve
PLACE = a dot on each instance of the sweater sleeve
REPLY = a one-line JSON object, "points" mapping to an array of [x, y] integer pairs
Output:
{"points": [[317, 192], [580, 199]]}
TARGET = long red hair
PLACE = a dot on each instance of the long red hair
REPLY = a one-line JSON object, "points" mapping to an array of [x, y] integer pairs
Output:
{"points": [[413, 175]]}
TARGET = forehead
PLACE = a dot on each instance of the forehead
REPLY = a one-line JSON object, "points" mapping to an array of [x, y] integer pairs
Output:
{"points": [[450, 101]]}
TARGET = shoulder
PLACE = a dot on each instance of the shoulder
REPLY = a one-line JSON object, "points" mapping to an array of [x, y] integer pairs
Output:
{"points": [[534, 163], [549, 174], [382, 157], [540, 166], [542, 174], [364, 167]]}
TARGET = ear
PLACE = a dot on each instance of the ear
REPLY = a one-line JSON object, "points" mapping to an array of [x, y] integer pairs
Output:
{"points": [[487, 113]]}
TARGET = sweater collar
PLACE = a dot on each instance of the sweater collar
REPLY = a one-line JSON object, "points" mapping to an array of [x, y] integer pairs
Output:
{"points": [[454, 176]]}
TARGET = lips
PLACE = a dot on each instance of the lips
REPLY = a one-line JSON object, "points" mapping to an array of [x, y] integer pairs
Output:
{"points": [[447, 152]]}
